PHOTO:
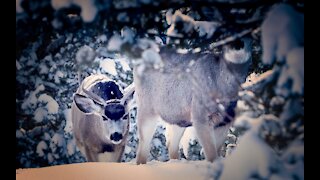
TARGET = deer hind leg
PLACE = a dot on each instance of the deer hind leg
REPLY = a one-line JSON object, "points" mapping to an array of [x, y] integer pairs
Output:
{"points": [[174, 134], [146, 125]]}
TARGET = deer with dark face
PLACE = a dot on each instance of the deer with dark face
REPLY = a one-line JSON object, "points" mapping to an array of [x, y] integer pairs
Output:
{"points": [[100, 118], [203, 96]]}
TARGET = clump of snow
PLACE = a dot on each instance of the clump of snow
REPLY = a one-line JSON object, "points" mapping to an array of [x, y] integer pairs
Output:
{"points": [[57, 76], [43, 69], [51, 104], [282, 30], [85, 55], [40, 114], [40, 147], [124, 64], [50, 158], [156, 142], [102, 39], [115, 43], [251, 157], [71, 147], [109, 66], [57, 140], [182, 51], [294, 71], [67, 115]]}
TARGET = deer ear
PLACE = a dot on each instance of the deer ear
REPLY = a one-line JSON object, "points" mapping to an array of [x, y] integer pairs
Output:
{"points": [[128, 95], [86, 104]]}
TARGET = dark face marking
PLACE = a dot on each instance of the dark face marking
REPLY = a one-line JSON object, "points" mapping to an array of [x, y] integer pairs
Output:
{"points": [[237, 44], [114, 111], [107, 90], [107, 148], [116, 136]]}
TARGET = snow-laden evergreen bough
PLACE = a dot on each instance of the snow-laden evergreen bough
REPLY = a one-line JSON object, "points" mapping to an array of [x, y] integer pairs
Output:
{"points": [[203, 97], [100, 118]]}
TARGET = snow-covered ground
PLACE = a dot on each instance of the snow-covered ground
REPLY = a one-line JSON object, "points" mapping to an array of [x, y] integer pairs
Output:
{"points": [[174, 169]]}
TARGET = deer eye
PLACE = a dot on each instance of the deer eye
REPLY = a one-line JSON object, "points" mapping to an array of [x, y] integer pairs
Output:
{"points": [[104, 118], [125, 117]]}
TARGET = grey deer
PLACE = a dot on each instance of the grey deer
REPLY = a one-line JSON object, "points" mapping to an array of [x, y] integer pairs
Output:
{"points": [[100, 118], [203, 97]]}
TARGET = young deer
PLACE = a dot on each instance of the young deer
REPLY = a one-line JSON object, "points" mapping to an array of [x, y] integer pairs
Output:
{"points": [[100, 118], [203, 96]]}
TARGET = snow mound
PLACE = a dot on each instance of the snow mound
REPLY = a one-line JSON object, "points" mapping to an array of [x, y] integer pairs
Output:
{"points": [[155, 170]]}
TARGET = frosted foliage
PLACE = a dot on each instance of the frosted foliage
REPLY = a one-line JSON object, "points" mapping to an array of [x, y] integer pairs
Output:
{"points": [[57, 76], [32, 99], [109, 66], [43, 69], [282, 30], [57, 141], [206, 28], [294, 71], [188, 137]]}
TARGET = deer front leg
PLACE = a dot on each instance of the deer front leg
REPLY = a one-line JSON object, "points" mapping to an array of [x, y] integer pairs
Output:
{"points": [[90, 155], [174, 134], [146, 126], [204, 129]]}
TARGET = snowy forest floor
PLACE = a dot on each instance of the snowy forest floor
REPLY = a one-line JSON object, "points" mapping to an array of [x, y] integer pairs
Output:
{"points": [[173, 169]]}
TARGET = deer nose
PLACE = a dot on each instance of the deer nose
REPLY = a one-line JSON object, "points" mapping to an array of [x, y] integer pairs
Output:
{"points": [[116, 136]]}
